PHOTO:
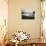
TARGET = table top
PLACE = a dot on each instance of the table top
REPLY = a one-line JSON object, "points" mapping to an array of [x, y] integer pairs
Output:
{"points": [[32, 41]]}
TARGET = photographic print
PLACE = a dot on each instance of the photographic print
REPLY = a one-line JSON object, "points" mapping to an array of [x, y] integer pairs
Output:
{"points": [[26, 14]]}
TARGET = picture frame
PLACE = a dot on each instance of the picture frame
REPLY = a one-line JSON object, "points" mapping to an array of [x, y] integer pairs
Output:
{"points": [[26, 14]]}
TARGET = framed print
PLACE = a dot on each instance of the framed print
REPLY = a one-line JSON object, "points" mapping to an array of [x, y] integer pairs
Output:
{"points": [[26, 14]]}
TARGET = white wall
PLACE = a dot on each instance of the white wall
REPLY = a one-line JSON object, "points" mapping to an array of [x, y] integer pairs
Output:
{"points": [[3, 17], [15, 21]]}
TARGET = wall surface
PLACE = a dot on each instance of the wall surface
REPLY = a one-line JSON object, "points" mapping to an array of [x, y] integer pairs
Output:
{"points": [[3, 19], [15, 21]]}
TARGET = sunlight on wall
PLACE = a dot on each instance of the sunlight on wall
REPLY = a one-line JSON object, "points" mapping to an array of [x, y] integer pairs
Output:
{"points": [[44, 21], [3, 18]]}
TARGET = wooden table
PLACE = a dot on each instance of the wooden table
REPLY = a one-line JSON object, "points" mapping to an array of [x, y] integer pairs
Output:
{"points": [[33, 42], [40, 44], [10, 44]]}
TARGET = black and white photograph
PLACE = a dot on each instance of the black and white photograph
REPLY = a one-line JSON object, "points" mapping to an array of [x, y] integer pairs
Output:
{"points": [[26, 14]]}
